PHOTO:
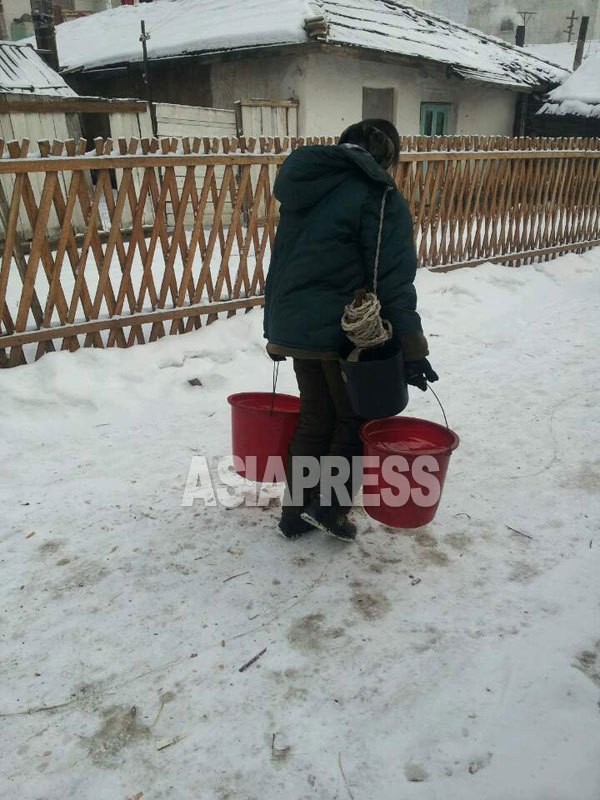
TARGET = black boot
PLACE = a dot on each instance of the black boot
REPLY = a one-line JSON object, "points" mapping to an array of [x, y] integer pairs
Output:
{"points": [[291, 525], [330, 519]]}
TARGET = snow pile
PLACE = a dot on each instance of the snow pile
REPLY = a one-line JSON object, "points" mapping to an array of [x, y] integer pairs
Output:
{"points": [[179, 27], [579, 94], [460, 661]]}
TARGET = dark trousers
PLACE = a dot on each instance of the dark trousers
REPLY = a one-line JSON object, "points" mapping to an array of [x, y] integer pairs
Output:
{"points": [[328, 426]]}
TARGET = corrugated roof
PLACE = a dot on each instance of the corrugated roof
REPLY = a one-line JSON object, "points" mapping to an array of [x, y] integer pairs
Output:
{"points": [[22, 71], [185, 27]]}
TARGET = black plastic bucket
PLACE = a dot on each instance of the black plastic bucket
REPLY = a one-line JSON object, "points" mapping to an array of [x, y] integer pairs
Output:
{"points": [[375, 384]]}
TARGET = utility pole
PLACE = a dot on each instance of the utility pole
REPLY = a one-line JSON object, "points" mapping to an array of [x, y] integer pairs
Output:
{"points": [[526, 16], [571, 26], [42, 15], [583, 28], [523, 98], [146, 76]]}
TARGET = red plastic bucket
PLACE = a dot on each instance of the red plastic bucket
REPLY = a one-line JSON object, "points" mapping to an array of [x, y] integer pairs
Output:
{"points": [[404, 489], [262, 426]]}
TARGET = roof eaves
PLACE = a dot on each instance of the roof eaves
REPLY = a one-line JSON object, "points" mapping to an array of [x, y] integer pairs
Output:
{"points": [[573, 109], [455, 70], [205, 56], [483, 76]]}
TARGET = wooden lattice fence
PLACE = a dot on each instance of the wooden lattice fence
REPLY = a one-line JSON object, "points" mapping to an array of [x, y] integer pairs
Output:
{"points": [[149, 238]]}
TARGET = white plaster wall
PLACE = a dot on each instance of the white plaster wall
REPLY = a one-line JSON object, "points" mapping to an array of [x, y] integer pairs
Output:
{"points": [[483, 110], [276, 78], [329, 89], [333, 97]]}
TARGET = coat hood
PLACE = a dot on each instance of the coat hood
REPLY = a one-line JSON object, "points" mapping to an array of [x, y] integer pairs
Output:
{"points": [[311, 173]]}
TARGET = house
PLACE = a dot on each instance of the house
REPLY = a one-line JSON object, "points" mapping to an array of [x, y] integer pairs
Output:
{"points": [[38, 105], [573, 108], [340, 60]]}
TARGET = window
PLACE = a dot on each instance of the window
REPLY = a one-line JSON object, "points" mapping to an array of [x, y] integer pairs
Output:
{"points": [[435, 119], [507, 24], [378, 103]]}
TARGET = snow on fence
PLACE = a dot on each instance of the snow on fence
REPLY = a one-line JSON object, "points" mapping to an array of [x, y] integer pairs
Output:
{"points": [[119, 281]]}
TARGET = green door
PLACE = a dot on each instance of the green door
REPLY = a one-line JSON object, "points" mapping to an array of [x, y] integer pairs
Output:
{"points": [[435, 119]]}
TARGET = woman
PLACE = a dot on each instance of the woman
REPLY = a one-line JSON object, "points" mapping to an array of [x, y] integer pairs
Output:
{"points": [[324, 250]]}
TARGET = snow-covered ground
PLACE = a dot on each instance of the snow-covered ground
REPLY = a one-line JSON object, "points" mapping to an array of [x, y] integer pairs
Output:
{"points": [[456, 662]]}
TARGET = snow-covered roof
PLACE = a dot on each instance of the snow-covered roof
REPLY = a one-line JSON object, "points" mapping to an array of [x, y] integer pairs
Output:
{"points": [[579, 94], [185, 27], [22, 71], [563, 53]]}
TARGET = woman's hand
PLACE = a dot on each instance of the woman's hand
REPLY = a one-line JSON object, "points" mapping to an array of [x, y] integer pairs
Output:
{"points": [[417, 373]]}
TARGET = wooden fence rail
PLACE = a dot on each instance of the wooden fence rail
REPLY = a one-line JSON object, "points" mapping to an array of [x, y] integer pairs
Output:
{"points": [[138, 240]]}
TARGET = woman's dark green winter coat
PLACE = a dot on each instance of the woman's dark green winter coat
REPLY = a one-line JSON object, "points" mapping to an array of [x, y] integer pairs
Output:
{"points": [[325, 249]]}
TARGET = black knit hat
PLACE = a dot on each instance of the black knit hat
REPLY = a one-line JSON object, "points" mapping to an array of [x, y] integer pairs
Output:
{"points": [[378, 136]]}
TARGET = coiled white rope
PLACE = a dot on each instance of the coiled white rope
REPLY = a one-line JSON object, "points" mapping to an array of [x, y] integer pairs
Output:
{"points": [[362, 323], [361, 320]]}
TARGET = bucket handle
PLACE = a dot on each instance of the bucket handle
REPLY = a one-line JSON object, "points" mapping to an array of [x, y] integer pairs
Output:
{"points": [[429, 386], [275, 377]]}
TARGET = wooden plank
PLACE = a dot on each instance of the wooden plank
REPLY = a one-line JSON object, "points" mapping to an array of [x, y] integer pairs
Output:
{"points": [[75, 105], [516, 256], [16, 356], [9, 223], [67, 244], [270, 103], [18, 165], [39, 240], [161, 314]]}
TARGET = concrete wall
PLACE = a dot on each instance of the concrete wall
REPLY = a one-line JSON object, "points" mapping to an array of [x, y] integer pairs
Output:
{"points": [[329, 89]]}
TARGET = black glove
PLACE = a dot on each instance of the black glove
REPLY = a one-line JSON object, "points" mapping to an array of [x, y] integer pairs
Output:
{"points": [[276, 358], [417, 373]]}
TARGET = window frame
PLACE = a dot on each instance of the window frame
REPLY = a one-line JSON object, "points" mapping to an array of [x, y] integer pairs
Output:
{"points": [[445, 109]]}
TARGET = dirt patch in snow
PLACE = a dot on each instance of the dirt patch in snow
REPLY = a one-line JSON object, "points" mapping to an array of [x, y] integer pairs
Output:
{"points": [[522, 572], [311, 633], [459, 541], [120, 728], [586, 478], [51, 547], [369, 605], [588, 661]]}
